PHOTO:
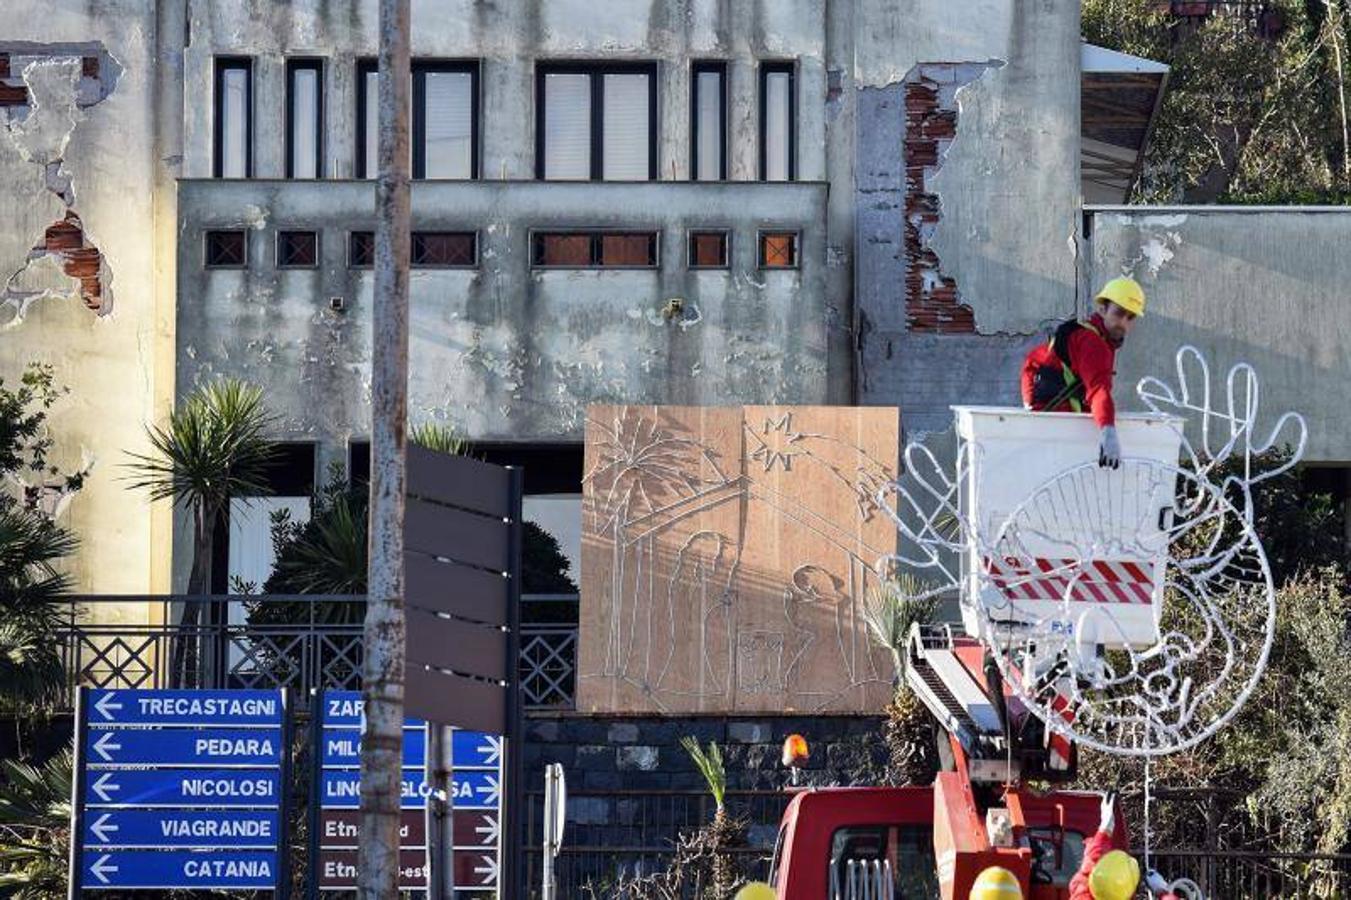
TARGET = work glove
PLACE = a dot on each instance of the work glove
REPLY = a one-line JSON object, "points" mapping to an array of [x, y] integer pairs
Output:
{"points": [[1107, 813], [1156, 882], [1109, 448]]}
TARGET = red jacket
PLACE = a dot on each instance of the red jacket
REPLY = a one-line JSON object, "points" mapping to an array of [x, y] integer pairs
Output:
{"points": [[1095, 848], [1094, 361]]}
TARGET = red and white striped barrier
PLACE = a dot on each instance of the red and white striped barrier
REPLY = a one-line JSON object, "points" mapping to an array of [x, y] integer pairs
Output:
{"points": [[1081, 581]]}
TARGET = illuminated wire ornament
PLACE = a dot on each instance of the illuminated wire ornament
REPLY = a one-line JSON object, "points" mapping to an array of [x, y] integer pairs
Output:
{"points": [[1130, 609]]}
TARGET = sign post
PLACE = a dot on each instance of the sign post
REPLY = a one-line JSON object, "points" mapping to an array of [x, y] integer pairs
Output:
{"points": [[555, 813], [180, 789]]}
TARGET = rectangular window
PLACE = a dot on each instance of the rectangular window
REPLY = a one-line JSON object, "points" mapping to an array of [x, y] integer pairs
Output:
{"points": [[445, 120], [778, 123], [304, 118], [444, 126], [233, 127], [297, 249], [594, 249], [596, 122], [708, 249], [445, 249], [708, 122], [361, 249], [778, 249], [226, 249]]}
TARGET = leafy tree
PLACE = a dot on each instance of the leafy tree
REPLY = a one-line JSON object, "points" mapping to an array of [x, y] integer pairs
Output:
{"points": [[1255, 110], [213, 449], [32, 546], [34, 828]]}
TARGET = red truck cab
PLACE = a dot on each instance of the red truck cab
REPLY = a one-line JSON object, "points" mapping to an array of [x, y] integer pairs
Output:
{"points": [[928, 843]]}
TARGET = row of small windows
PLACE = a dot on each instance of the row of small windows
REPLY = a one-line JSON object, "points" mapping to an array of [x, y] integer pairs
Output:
{"points": [[597, 249], [594, 121]]}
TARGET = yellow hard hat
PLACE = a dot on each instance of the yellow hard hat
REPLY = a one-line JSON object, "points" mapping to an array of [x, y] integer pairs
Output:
{"points": [[996, 883], [1125, 293], [756, 890], [1115, 877]]}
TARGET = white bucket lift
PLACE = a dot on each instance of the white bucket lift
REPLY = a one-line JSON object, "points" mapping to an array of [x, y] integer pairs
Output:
{"points": [[1061, 546]]}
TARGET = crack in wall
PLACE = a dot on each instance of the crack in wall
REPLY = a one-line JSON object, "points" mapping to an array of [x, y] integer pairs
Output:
{"points": [[40, 110], [933, 302]]}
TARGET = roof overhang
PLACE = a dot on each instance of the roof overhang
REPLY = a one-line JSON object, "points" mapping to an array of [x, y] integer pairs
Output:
{"points": [[1120, 98]]}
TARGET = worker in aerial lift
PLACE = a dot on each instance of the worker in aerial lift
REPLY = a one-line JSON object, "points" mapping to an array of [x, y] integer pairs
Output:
{"points": [[1073, 371], [1108, 874]]}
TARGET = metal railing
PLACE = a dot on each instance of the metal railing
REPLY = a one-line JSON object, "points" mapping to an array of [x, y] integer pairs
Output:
{"points": [[299, 642]]}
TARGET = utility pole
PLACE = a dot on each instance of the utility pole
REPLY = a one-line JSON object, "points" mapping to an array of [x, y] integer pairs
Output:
{"points": [[383, 675]]}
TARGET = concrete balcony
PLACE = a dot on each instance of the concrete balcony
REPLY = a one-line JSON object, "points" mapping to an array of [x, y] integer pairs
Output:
{"points": [[505, 349]]}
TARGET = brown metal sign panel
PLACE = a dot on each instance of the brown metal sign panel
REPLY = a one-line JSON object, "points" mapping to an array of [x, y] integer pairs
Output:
{"points": [[340, 829], [338, 870], [458, 590], [474, 869], [476, 829], [454, 643], [459, 481], [455, 534], [453, 700]]}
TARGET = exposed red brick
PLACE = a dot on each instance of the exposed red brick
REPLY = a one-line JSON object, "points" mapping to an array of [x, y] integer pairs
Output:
{"points": [[65, 238], [4, 65], [932, 303], [13, 95]]}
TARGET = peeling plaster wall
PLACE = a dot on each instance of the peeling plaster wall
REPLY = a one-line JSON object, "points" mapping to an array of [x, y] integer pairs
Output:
{"points": [[508, 39], [1007, 189], [504, 352], [1260, 286], [90, 145]]}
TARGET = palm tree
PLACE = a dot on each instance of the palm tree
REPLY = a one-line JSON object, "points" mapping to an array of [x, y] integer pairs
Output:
{"points": [[32, 677], [214, 449], [893, 610], [723, 831], [34, 828]]}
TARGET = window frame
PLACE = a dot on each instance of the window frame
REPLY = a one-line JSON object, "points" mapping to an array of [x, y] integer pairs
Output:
{"points": [[364, 66], [351, 237], [696, 68], [223, 64], [596, 72], [790, 69], [760, 262], [206, 248], [314, 64], [412, 237], [318, 248], [595, 234], [727, 248], [418, 118]]}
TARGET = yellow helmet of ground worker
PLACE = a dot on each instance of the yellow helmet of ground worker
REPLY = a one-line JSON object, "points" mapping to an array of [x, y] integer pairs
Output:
{"points": [[1125, 293], [996, 883], [756, 890], [1115, 877]]}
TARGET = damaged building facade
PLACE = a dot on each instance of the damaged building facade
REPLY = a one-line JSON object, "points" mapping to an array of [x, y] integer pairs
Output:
{"points": [[877, 202]]}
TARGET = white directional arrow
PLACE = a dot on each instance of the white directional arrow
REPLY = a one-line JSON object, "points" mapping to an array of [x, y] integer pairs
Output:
{"points": [[105, 705], [103, 746], [492, 790], [100, 868], [489, 829], [487, 867], [103, 788], [492, 748], [101, 828]]}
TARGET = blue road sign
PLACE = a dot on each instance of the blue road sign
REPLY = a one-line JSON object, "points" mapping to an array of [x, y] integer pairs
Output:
{"points": [[221, 869], [227, 829], [343, 709], [259, 788], [342, 748], [220, 709], [224, 747], [476, 750], [341, 789]]}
